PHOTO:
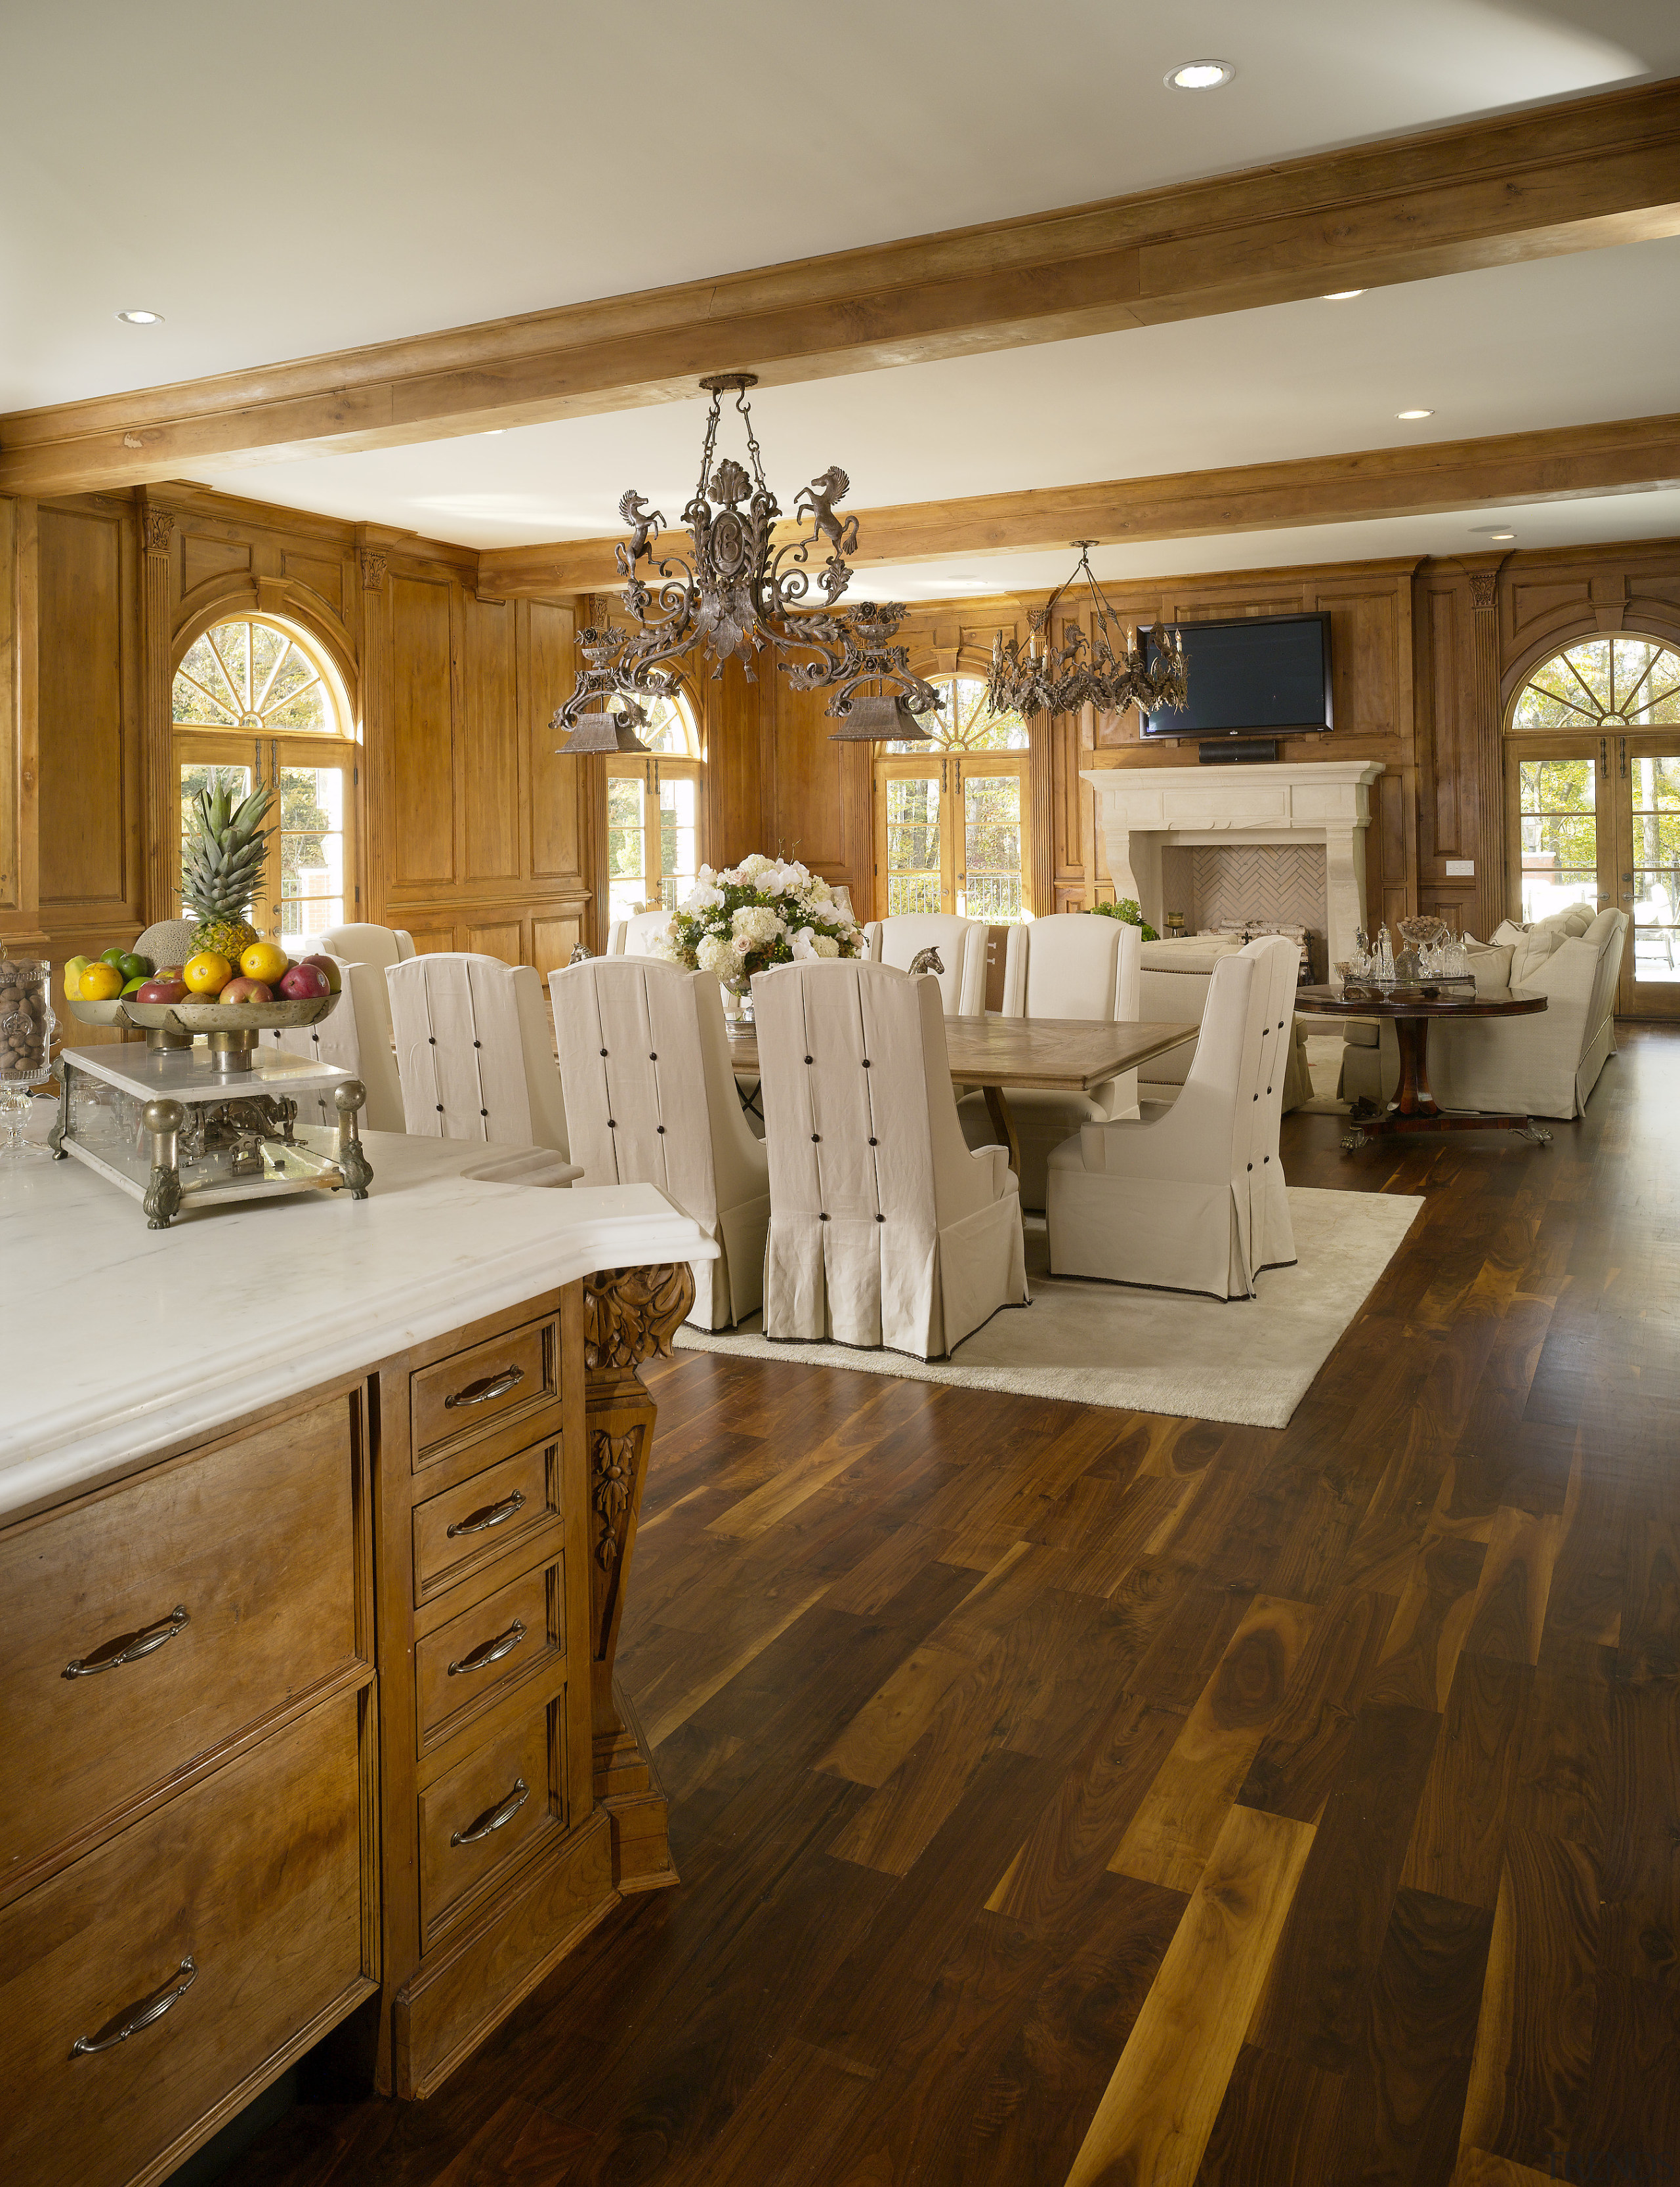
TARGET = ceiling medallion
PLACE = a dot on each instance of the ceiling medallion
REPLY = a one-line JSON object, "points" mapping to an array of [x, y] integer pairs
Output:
{"points": [[736, 592], [1102, 668]]}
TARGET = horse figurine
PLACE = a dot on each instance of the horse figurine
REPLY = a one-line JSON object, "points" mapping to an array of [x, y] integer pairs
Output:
{"points": [[633, 511], [817, 502]]}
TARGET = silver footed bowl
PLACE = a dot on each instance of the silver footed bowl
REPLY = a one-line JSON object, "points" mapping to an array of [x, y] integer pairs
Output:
{"points": [[223, 1017]]}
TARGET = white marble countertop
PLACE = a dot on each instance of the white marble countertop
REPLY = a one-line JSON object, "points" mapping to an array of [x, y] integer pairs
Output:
{"points": [[117, 1340]]}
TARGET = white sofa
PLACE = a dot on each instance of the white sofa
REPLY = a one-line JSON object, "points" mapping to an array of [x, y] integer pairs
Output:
{"points": [[1173, 985], [1543, 1066]]}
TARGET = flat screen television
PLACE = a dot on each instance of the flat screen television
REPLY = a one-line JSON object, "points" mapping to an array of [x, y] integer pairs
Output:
{"points": [[1254, 676]]}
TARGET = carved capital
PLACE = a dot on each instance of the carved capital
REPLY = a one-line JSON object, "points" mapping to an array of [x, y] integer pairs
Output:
{"points": [[160, 529], [631, 1314], [612, 1485], [1484, 590], [372, 569]]}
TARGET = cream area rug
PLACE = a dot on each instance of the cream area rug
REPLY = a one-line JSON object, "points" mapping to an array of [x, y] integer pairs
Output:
{"points": [[1248, 1361]]}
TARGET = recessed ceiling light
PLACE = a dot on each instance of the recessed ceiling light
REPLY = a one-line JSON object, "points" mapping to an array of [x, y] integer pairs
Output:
{"points": [[1414, 414], [1200, 76], [1341, 295], [141, 319]]}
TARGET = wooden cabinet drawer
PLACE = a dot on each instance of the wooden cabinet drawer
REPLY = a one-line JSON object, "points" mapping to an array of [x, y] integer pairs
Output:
{"points": [[482, 1519], [494, 1805], [232, 1577], [472, 1392], [254, 1876], [482, 1654]]}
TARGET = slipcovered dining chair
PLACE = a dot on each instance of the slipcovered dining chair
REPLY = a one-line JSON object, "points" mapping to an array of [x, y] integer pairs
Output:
{"points": [[650, 1099], [1277, 961], [357, 1038], [361, 944], [961, 943], [1069, 965], [472, 1052], [885, 1227], [636, 936], [1166, 1201]]}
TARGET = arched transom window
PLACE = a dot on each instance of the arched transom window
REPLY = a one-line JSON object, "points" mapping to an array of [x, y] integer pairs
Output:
{"points": [[1602, 683], [254, 675], [964, 723]]}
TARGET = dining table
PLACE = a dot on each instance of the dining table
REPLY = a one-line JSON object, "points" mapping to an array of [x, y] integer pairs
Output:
{"points": [[1071, 1055]]}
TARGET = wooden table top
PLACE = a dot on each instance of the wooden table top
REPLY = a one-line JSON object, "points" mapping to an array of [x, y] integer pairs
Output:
{"points": [[1068, 1053], [1485, 1002]]}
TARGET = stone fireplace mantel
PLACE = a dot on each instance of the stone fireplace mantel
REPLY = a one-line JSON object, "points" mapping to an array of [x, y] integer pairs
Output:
{"points": [[1140, 810]]}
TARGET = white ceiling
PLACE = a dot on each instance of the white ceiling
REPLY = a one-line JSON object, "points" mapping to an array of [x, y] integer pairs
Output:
{"points": [[283, 183], [1552, 342]]}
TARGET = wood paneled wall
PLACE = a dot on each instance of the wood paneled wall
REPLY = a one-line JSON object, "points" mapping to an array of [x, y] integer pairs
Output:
{"points": [[476, 835], [472, 834]]}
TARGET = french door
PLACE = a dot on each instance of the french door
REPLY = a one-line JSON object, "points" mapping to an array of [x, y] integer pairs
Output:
{"points": [[652, 833], [1595, 820], [309, 877], [949, 835]]}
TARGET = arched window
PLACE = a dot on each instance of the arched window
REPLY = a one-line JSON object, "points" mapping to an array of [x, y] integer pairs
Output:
{"points": [[654, 813], [1592, 769], [949, 815], [254, 700]]}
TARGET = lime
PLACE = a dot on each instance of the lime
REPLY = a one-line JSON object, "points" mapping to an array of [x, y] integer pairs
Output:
{"points": [[133, 986], [133, 966], [115, 954]]}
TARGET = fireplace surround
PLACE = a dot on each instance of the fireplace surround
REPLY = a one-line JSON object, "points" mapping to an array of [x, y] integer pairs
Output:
{"points": [[1143, 812]]}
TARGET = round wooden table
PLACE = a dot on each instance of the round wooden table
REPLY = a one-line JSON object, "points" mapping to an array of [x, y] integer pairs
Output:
{"points": [[1414, 1108]]}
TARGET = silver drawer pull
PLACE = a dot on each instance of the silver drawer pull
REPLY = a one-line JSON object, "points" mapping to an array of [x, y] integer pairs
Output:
{"points": [[493, 1818], [492, 1651], [488, 1515], [133, 2017], [129, 1647], [493, 1386]]}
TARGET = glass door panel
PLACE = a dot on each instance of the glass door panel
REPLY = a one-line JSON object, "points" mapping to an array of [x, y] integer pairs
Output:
{"points": [[679, 834], [1558, 825], [917, 853], [626, 845], [1651, 878], [990, 882], [310, 839]]}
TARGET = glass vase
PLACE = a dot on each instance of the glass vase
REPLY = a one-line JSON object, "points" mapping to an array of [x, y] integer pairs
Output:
{"points": [[26, 1029]]}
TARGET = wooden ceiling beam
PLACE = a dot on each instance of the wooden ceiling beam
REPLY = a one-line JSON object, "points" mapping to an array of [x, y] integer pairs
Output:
{"points": [[1563, 464], [1532, 185]]}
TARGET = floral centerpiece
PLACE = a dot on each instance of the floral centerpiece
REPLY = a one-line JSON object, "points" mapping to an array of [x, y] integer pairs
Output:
{"points": [[747, 918]]}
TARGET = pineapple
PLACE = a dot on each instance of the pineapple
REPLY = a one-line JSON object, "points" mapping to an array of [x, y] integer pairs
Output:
{"points": [[220, 866]]}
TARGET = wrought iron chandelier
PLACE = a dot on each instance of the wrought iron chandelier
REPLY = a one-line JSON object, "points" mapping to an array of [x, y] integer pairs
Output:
{"points": [[1102, 668], [736, 592]]}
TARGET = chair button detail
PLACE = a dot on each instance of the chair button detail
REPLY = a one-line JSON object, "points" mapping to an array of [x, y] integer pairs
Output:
{"points": [[478, 1043], [604, 1051], [816, 1139], [866, 1063], [440, 1108], [808, 1059], [612, 1124], [1250, 1165], [822, 1219], [431, 1040], [659, 1128], [874, 1143], [653, 1056], [880, 1218]]}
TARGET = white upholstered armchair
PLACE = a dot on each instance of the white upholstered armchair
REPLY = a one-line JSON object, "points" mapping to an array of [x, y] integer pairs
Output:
{"points": [[961, 943], [884, 1228], [635, 936], [1167, 1202], [472, 1052], [650, 1099], [1069, 965], [357, 1038]]}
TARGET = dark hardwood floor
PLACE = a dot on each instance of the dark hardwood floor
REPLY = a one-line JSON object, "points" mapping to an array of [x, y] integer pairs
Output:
{"points": [[1069, 1792]]}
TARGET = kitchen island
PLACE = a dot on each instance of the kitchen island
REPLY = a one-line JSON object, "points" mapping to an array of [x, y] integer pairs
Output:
{"points": [[316, 1519]]}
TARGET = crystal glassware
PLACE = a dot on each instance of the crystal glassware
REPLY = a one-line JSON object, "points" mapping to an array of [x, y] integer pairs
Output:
{"points": [[26, 1028]]}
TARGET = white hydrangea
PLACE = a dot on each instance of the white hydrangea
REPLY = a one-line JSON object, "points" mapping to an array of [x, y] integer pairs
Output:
{"points": [[750, 869], [718, 954], [756, 925], [825, 945]]}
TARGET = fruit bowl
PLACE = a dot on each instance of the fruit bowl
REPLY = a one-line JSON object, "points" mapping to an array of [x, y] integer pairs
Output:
{"points": [[98, 1014], [223, 1017]]}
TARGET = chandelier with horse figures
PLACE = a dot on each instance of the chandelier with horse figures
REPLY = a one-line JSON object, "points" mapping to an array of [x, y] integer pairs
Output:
{"points": [[735, 591], [1101, 668]]}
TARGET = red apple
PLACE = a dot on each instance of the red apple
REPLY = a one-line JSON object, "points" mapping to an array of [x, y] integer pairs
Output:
{"points": [[327, 966], [246, 991], [304, 983], [161, 991]]}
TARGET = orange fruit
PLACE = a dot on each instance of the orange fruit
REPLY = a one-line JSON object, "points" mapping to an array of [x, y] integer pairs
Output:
{"points": [[263, 960], [100, 983], [206, 974]]}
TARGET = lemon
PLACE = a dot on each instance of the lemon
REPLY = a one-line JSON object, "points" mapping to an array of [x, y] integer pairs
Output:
{"points": [[264, 961], [100, 983], [207, 974], [74, 969]]}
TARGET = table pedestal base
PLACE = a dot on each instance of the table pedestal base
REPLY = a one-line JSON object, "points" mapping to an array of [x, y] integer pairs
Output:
{"points": [[1414, 1108]]}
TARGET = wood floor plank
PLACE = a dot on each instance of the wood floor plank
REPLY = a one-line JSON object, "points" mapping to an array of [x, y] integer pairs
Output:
{"points": [[1534, 2039], [1458, 1847], [1170, 1836], [1430, 1621], [1158, 2111], [1301, 1758], [1277, 2123]]}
